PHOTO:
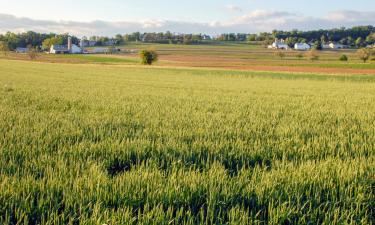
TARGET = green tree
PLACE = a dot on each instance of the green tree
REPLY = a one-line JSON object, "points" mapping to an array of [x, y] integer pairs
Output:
{"points": [[370, 39], [148, 57], [32, 52], [47, 43], [4, 48], [252, 37], [119, 39], [359, 42], [364, 54], [318, 45]]}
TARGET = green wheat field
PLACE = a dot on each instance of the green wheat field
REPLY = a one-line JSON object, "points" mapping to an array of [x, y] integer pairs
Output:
{"points": [[124, 144]]}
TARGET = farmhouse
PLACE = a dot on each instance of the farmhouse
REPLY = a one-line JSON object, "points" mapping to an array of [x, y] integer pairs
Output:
{"points": [[65, 49], [302, 46], [110, 42], [279, 44], [206, 37], [336, 46], [87, 43]]}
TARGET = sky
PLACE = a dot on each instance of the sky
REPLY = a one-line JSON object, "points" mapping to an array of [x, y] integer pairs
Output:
{"points": [[109, 17]]}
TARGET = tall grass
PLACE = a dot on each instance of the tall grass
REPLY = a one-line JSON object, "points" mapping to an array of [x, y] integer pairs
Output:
{"points": [[115, 145]]}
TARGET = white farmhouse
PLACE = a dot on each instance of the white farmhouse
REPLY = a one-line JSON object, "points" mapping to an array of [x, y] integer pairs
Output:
{"points": [[336, 46], [302, 46], [65, 49], [280, 44]]}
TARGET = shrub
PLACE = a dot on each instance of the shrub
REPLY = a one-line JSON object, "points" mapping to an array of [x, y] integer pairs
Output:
{"points": [[313, 55], [280, 54], [148, 57], [299, 56], [344, 58]]}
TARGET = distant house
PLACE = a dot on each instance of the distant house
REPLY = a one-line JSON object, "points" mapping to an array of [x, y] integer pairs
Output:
{"points": [[279, 44], [65, 49], [326, 46], [22, 50], [206, 37], [110, 42], [336, 46], [302, 46], [87, 43]]}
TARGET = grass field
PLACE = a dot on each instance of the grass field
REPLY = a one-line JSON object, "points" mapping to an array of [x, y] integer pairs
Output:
{"points": [[127, 144], [234, 56]]}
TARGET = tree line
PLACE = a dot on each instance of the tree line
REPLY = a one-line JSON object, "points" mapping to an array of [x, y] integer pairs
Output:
{"points": [[30, 38], [359, 36]]}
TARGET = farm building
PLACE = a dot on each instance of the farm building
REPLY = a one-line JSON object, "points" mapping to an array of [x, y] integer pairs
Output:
{"points": [[21, 50], [110, 42], [206, 37], [336, 46], [279, 44], [100, 50], [302, 46], [87, 43], [65, 49]]}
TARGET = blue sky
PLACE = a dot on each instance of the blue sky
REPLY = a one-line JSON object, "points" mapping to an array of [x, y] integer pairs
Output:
{"points": [[215, 16]]}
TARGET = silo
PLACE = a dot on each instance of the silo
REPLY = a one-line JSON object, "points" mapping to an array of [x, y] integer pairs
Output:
{"points": [[69, 44]]}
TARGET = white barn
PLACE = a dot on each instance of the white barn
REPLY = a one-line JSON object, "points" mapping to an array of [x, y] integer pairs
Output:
{"points": [[66, 49], [302, 46]]}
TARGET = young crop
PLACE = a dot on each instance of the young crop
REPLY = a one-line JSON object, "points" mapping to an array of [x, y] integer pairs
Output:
{"points": [[126, 145]]}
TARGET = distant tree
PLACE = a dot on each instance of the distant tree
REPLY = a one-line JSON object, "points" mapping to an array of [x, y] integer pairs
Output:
{"points": [[359, 42], [4, 48], [318, 45], [291, 41], [312, 55], [371, 39], [350, 41], [148, 57], [119, 39], [344, 58], [280, 54], [323, 39], [47, 43], [252, 37], [32, 52], [364, 54]]}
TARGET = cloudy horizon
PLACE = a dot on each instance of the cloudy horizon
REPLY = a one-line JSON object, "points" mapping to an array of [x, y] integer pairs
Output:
{"points": [[253, 22], [211, 17]]}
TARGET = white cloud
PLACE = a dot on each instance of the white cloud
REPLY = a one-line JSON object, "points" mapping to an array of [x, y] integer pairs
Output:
{"points": [[234, 8], [350, 16], [255, 21]]}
